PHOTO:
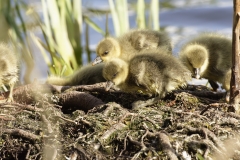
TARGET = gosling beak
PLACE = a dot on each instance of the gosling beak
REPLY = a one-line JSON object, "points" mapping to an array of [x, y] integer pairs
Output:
{"points": [[197, 73], [97, 60], [109, 85]]}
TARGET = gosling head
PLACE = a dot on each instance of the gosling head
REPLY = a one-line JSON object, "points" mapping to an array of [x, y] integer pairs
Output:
{"points": [[195, 57], [107, 49], [115, 72]]}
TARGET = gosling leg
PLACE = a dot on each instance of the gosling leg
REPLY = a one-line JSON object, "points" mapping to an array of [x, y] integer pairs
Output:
{"points": [[10, 96]]}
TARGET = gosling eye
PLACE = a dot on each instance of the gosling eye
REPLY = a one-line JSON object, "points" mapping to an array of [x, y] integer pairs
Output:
{"points": [[105, 53], [115, 75]]}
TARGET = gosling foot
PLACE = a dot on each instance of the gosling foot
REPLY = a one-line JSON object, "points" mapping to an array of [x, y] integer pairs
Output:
{"points": [[227, 98], [140, 104], [9, 99]]}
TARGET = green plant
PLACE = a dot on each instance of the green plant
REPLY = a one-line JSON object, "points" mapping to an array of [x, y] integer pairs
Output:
{"points": [[62, 30], [153, 15], [120, 18]]}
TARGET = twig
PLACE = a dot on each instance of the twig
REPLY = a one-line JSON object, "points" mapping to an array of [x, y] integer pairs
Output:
{"points": [[27, 107], [112, 106], [73, 156], [80, 118], [112, 130], [124, 146], [235, 115], [48, 124], [207, 133], [65, 119], [142, 145], [28, 152], [195, 145], [7, 117], [165, 144], [99, 87], [83, 152], [191, 113], [213, 95], [22, 133], [133, 141]]}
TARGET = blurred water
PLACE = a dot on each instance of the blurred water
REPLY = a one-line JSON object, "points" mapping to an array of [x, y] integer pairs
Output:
{"points": [[181, 22], [186, 19], [184, 23]]}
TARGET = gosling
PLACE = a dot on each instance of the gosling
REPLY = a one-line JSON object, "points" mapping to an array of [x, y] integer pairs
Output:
{"points": [[130, 44], [208, 56], [149, 73], [148, 39], [86, 75], [9, 69]]}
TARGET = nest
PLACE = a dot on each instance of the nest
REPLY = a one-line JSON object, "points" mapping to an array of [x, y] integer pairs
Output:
{"points": [[86, 122]]}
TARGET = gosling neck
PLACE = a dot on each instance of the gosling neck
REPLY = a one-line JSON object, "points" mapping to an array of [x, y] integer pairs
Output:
{"points": [[204, 67], [117, 47]]}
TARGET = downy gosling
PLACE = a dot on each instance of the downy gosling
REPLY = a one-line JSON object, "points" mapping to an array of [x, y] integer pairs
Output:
{"points": [[208, 56], [150, 73], [130, 43], [8, 68], [86, 75]]}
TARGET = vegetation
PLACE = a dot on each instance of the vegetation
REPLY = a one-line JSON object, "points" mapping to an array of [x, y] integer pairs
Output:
{"points": [[62, 28], [83, 122]]}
